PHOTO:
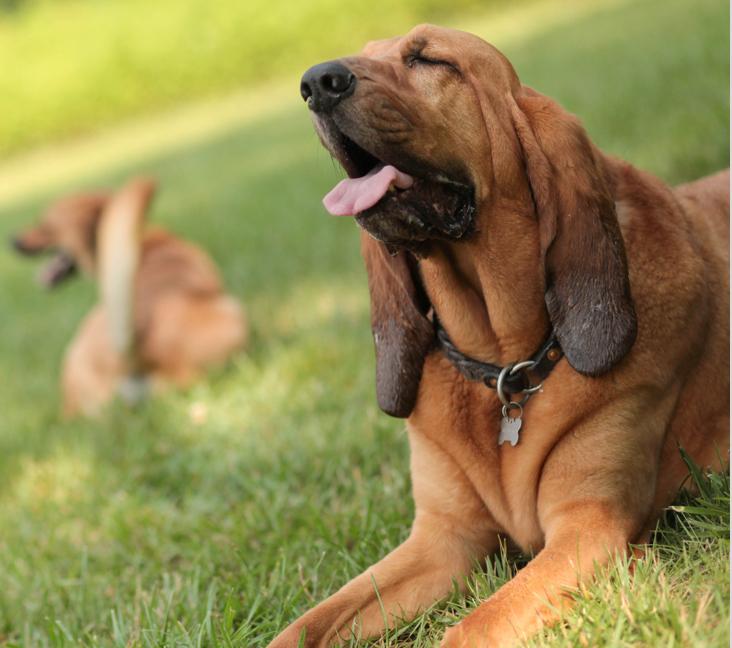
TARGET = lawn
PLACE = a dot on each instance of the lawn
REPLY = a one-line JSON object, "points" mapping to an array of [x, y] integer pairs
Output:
{"points": [[215, 516], [77, 65]]}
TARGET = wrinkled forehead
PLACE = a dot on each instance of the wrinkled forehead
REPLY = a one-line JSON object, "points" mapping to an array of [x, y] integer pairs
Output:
{"points": [[465, 51], [381, 48], [73, 210], [429, 37], [64, 209]]}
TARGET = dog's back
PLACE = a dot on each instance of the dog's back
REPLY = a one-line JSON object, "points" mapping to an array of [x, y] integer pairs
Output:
{"points": [[184, 321], [707, 199]]}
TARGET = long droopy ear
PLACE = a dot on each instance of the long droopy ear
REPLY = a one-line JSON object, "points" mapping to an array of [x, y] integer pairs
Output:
{"points": [[587, 287], [82, 231], [402, 333]]}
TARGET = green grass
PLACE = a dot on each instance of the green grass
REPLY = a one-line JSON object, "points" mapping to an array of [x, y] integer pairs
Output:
{"points": [[80, 64], [215, 516]]}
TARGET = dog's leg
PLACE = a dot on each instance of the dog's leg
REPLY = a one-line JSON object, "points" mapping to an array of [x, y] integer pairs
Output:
{"points": [[584, 536], [451, 531]]}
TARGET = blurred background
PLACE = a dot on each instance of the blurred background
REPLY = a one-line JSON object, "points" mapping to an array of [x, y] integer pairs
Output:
{"points": [[216, 515]]}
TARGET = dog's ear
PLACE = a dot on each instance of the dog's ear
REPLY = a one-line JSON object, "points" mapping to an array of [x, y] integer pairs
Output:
{"points": [[402, 333], [587, 287], [79, 233]]}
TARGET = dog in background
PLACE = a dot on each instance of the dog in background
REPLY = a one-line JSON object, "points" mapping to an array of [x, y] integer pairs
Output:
{"points": [[162, 316]]}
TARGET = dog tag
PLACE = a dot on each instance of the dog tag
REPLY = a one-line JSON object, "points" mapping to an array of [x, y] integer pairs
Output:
{"points": [[510, 425]]}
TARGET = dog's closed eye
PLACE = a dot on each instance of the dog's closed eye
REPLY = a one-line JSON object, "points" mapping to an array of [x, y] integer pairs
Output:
{"points": [[418, 58]]}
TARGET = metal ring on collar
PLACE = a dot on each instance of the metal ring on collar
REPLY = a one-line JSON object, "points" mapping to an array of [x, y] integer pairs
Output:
{"points": [[526, 364], [532, 390], [499, 387], [518, 366], [511, 370], [512, 405]]}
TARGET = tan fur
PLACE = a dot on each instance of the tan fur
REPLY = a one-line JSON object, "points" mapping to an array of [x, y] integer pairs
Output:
{"points": [[118, 247], [598, 457], [163, 317]]}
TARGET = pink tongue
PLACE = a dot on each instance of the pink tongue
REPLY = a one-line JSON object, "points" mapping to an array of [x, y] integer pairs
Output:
{"points": [[354, 195]]}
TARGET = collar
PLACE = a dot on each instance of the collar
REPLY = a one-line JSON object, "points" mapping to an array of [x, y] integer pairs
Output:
{"points": [[515, 377]]}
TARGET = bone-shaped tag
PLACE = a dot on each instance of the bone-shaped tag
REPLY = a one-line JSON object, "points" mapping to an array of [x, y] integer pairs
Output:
{"points": [[510, 427]]}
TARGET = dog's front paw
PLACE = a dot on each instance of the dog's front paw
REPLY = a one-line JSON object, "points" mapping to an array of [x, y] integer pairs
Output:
{"points": [[475, 632], [300, 635], [293, 637], [459, 637]]}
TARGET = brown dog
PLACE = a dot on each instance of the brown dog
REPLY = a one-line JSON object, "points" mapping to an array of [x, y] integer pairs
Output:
{"points": [[162, 317], [488, 209]]}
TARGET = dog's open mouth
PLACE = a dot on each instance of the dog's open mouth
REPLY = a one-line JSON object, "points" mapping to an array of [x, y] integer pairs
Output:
{"points": [[59, 267], [394, 206]]}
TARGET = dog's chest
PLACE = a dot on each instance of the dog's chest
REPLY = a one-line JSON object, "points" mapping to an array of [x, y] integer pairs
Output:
{"points": [[462, 421], [507, 481], [505, 477]]}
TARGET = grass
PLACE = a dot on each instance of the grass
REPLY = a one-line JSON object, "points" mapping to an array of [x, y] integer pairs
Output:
{"points": [[82, 64], [215, 516]]}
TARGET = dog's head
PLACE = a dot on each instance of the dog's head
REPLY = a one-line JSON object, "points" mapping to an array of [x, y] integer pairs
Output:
{"points": [[431, 129], [68, 230]]}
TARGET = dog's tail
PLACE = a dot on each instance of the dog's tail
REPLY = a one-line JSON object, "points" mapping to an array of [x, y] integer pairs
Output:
{"points": [[119, 240]]}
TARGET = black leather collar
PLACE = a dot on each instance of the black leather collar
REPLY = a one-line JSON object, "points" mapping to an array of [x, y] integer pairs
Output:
{"points": [[544, 360]]}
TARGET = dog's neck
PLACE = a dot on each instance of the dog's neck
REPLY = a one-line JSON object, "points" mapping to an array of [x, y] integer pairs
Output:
{"points": [[488, 291]]}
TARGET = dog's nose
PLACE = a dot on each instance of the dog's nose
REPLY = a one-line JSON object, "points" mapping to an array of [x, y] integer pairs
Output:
{"points": [[326, 84], [17, 244]]}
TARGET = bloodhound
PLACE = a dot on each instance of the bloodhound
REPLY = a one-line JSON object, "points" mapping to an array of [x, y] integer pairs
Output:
{"points": [[505, 251], [162, 317]]}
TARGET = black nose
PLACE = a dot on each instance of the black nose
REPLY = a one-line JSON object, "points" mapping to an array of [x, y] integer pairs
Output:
{"points": [[17, 244], [324, 85]]}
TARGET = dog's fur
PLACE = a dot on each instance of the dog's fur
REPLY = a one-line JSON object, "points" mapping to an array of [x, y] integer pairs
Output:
{"points": [[162, 317], [631, 275]]}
